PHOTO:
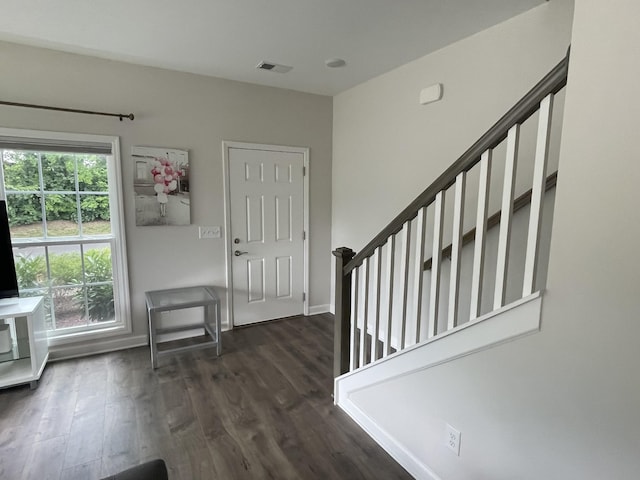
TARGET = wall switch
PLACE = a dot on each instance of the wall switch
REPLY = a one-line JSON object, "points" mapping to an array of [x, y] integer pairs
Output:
{"points": [[452, 439], [209, 232]]}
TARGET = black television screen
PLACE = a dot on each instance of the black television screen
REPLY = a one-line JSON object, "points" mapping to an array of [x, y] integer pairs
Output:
{"points": [[8, 280]]}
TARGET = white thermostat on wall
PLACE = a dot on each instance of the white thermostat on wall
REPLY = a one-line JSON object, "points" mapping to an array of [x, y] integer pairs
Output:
{"points": [[431, 94]]}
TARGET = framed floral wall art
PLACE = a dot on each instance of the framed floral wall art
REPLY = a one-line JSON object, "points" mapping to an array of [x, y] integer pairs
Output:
{"points": [[161, 185]]}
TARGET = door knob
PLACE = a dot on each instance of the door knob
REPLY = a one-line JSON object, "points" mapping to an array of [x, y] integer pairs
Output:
{"points": [[237, 253]]}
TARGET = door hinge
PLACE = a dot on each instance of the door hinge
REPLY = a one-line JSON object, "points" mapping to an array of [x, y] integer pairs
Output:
{"points": [[304, 235], [304, 296], [304, 171]]}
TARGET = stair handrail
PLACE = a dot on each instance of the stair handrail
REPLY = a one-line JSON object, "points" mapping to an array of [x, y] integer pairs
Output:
{"points": [[552, 83]]}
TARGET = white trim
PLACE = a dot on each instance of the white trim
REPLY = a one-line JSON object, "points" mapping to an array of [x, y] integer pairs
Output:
{"points": [[83, 336], [389, 443], [121, 276], [305, 224], [80, 350], [507, 323], [121, 296], [226, 145], [317, 309], [45, 134]]}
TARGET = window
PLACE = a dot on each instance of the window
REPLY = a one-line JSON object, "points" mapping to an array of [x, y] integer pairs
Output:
{"points": [[63, 195]]}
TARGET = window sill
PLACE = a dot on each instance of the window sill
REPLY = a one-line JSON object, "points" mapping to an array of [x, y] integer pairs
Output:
{"points": [[88, 335]]}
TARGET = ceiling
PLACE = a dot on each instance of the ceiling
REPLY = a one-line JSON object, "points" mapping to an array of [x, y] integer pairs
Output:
{"points": [[228, 38]]}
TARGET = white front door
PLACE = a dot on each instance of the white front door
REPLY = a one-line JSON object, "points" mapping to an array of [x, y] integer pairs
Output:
{"points": [[266, 193]]}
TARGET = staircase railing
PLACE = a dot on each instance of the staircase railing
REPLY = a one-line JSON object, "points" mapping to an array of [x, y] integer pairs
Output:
{"points": [[368, 301]]}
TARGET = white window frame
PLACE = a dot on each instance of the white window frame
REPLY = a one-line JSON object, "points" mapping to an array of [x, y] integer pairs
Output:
{"points": [[122, 305]]}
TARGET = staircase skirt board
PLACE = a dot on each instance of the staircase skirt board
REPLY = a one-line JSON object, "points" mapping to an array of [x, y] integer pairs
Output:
{"points": [[512, 321]]}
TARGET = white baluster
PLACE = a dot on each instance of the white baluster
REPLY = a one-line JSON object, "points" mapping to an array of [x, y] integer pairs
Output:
{"points": [[391, 253], [481, 231], [404, 250], [537, 195], [505, 216], [365, 310], [419, 269], [456, 249], [353, 356], [376, 322], [436, 260]]}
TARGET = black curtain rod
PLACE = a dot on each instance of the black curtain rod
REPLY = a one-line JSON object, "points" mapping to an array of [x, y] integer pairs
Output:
{"points": [[72, 110]]}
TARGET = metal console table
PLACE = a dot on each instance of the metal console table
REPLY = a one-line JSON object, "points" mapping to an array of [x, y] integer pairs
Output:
{"points": [[180, 298]]}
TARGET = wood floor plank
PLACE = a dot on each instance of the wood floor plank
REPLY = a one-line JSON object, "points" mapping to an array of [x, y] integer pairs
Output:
{"points": [[229, 460], [154, 436], [85, 439], [120, 441], [46, 459], [13, 454], [57, 416], [86, 471]]}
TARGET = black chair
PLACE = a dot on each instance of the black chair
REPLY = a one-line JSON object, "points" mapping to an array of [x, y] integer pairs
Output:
{"points": [[153, 470]]}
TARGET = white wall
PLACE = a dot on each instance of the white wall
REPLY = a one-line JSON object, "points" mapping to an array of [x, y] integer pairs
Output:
{"points": [[181, 111]]}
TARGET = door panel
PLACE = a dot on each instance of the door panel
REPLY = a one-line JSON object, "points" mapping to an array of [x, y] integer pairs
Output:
{"points": [[266, 193], [255, 280], [254, 219], [283, 219], [283, 277]]}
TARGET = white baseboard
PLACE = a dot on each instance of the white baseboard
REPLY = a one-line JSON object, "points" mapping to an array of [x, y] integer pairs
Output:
{"points": [[64, 352], [317, 309], [394, 448]]}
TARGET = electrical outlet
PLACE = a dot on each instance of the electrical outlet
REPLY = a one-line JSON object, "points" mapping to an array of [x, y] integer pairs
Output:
{"points": [[209, 232], [452, 439]]}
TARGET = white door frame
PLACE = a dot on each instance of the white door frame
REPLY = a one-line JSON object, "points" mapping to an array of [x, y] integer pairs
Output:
{"points": [[226, 145]]}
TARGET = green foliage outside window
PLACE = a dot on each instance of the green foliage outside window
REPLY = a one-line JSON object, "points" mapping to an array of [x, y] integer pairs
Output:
{"points": [[66, 269], [97, 268], [31, 271], [58, 173]]}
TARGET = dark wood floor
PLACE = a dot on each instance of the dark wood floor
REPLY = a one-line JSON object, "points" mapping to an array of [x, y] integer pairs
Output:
{"points": [[261, 410]]}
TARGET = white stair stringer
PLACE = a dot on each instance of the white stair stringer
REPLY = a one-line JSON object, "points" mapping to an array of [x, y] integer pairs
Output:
{"points": [[505, 324]]}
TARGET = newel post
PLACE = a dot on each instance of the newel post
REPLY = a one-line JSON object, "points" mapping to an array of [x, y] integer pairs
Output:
{"points": [[341, 334]]}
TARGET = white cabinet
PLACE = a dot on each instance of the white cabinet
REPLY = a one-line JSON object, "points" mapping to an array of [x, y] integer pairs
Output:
{"points": [[25, 361]]}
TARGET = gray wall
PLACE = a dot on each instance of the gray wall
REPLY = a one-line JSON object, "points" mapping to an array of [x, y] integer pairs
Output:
{"points": [[180, 111]]}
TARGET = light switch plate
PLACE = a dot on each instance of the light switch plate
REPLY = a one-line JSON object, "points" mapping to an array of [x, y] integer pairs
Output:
{"points": [[209, 232]]}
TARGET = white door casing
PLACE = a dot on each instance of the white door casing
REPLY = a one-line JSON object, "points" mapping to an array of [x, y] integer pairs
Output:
{"points": [[266, 194]]}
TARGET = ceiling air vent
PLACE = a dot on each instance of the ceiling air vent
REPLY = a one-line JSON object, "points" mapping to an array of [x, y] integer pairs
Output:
{"points": [[273, 67]]}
